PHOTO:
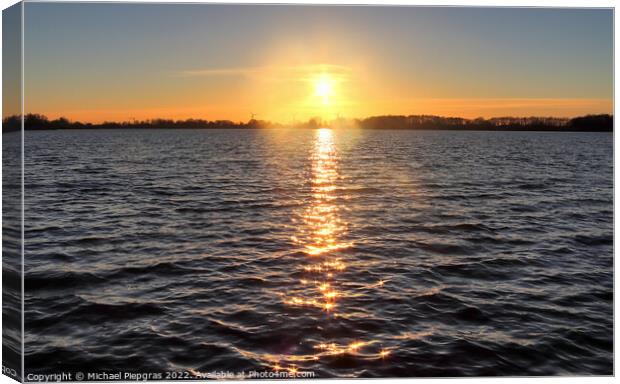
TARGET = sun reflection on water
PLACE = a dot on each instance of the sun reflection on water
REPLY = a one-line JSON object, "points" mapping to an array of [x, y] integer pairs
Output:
{"points": [[322, 224], [321, 234], [322, 237]]}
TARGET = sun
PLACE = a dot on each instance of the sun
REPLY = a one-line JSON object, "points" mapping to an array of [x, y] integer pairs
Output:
{"points": [[324, 88]]}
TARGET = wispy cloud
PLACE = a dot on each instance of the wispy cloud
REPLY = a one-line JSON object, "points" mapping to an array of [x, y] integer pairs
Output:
{"points": [[289, 72], [494, 107], [212, 72]]}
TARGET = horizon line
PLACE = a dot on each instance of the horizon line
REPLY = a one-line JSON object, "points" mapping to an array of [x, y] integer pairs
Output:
{"points": [[317, 119]]}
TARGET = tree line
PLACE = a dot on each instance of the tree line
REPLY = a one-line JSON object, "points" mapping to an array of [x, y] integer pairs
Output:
{"points": [[589, 123]]}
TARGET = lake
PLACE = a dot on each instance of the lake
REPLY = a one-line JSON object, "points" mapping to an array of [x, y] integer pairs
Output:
{"points": [[344, 253]]}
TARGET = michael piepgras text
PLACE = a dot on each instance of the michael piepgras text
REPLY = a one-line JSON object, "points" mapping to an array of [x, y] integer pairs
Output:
{"points": [[173, 375], [94, 376]]}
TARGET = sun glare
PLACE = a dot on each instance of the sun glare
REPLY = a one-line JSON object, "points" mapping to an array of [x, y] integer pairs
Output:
{"points": [[324, 88]]}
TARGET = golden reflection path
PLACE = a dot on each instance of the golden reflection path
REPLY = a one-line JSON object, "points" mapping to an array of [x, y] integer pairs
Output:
{"points": [[322, 228], [320, 236]]}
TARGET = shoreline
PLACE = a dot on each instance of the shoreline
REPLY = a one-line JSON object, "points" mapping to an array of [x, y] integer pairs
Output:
{"points": [[588, 123], [307, 129]]}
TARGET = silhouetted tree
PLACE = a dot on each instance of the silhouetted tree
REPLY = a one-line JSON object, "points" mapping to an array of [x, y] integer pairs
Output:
{"points": [[590, 123], [12, 123]]}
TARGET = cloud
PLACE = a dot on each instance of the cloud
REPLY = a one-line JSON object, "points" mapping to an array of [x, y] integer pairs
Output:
{"points": [[288, 72], [208, 72], [493, 107]]}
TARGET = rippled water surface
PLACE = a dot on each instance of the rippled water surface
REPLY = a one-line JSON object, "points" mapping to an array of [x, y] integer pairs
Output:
{"points": [[345, 253]]}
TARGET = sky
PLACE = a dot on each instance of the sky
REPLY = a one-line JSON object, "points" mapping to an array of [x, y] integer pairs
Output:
{"points": [[97, 62]]}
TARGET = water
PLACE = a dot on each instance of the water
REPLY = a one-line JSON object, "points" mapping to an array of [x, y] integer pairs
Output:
{"points": [[345, 253]]}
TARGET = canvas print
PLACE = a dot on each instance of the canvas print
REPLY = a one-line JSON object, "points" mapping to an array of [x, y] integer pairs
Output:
{"points": [[221, 191]]}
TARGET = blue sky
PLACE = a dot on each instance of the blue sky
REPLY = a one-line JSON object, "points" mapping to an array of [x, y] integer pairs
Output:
{"points": [[115, 61]]}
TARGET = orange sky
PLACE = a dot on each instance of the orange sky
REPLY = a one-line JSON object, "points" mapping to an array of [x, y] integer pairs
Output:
{"points": [[97, 62]]}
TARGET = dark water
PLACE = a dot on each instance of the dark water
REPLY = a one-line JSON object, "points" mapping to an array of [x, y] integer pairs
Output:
{"points": [[11, 254], [345, 253]]}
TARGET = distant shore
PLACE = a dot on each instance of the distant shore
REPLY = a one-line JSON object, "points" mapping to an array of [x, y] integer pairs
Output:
{"points": [[588, 123]]}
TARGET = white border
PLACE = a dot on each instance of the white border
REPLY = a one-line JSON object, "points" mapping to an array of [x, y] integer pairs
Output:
{"points": [[23, 112], [478, 3]]}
